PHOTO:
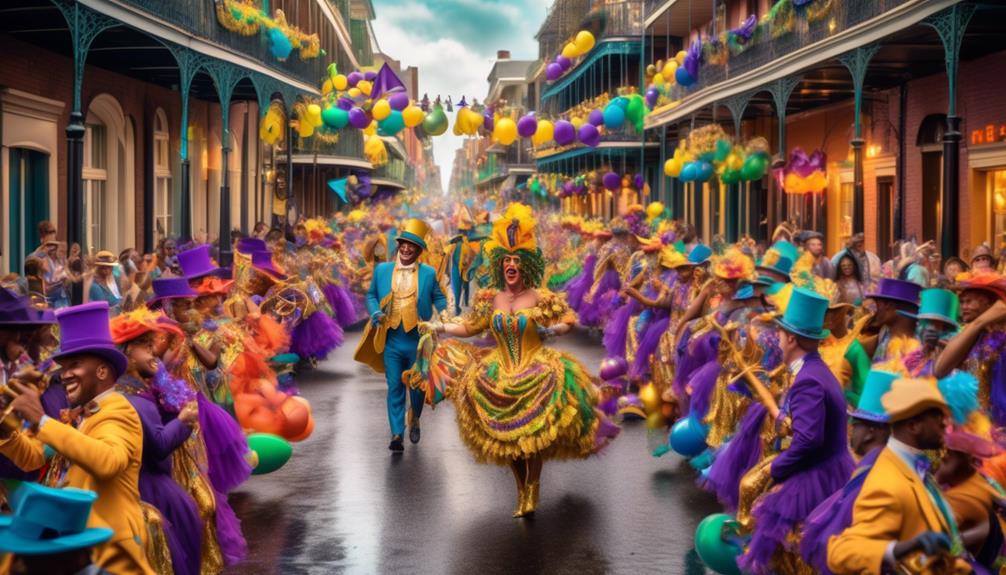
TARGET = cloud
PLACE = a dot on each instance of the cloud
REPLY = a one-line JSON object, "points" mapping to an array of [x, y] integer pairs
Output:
{"points": [[453, 43]]}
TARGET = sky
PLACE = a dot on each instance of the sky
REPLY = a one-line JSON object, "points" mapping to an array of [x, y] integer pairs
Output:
{"points": [[453, 43]]}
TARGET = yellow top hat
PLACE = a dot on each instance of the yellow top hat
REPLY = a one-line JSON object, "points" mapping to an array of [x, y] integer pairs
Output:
{"points": [[671, 258], [910, 397], [415, 231]]}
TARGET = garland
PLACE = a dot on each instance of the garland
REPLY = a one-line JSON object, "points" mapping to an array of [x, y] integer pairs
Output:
{"points": [[244, 17]]}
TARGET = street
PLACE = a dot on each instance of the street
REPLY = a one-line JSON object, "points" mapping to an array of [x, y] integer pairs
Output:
{"points": [[345, 504]]}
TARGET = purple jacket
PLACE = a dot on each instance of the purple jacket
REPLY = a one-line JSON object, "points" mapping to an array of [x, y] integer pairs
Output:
{"points": [[816, 407], [160, 439]]}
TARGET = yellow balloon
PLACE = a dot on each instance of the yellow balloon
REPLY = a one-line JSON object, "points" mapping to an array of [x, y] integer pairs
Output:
{"points": [[381, 110], [577, 121], [413, 116], [505, 131], [354, 93], [314, 115], [654, 209], [651, 69], [371, 129], [658, 79], [680, 57], [304, 128], [475, 120], [544, 132], [326, 87], [584, 42], [570, 51], [340, 82], [668, 71], [365, 87]]}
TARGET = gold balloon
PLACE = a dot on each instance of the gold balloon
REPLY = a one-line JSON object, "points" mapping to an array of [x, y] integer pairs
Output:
{"points": [[340, 82], [413, 116], [381, 110]]}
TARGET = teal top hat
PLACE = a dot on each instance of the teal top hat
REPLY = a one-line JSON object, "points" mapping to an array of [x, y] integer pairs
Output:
{"points": [[47, 521], [804, 314], [936, 304], [745, 292], [700, 254], [877, 384], [779, 258]]}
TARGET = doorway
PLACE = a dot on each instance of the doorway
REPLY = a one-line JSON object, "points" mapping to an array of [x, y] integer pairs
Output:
{"points": [[885, 216], [932, 195], [29, 202]]}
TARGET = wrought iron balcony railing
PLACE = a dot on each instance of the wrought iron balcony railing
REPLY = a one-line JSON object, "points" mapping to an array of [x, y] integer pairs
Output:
{"points": [[348, 145]]}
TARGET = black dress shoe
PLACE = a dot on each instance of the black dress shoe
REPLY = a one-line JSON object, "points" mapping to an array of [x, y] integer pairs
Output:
{"points": [[397, 445], [414, 434]]}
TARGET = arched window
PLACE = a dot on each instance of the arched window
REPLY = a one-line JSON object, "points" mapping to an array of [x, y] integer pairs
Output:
{"points": [[162, 176], [108, 177]]}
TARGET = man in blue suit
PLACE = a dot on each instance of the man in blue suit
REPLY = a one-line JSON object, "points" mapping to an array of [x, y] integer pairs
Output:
{"points": [[403, 292]]}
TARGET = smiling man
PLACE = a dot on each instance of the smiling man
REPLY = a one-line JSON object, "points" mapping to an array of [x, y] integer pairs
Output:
{"points": [[99, 448]]}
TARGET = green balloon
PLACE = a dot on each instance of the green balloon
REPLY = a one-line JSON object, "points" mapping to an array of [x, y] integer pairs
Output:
{"points": [[335, 117], [273, 452], [435, 123], [731, 176], [718, 555], [636, 109]]}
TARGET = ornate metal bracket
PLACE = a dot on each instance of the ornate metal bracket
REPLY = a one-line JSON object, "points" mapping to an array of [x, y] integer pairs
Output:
{"points": [[857, 62], [737, 104], [951, 24], [225, 77], [85, 25]]}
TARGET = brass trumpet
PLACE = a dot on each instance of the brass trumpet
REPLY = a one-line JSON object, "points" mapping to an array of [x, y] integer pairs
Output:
{"points": [[919, 564], [10, 421]]}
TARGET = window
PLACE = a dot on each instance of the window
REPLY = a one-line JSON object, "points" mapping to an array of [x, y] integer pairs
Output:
{"points": [[162, 176], [847, 206], [997, 191], [95, 186]]}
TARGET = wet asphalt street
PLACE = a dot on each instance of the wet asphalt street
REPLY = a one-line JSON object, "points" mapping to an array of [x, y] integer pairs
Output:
{"points": [[344, 504]]}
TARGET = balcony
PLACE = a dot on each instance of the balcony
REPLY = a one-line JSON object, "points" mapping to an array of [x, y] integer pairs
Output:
{"points": [[622, 17], [345, 150], [199, 17], [395, 173]]}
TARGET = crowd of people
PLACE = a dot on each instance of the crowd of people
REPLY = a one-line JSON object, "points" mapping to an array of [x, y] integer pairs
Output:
{"points": [[846, 412]]}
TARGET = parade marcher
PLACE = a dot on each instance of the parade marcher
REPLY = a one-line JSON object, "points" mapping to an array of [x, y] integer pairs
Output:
{"points": [[816, 461], [402, 294], [900, 511], [885, 325], [938, 323], [841, 350], [100, 449], [813, 242], [541, 402], [163, 433]]}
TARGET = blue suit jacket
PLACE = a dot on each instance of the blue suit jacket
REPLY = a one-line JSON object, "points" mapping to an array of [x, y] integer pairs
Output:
{"points": [[429, 294]]}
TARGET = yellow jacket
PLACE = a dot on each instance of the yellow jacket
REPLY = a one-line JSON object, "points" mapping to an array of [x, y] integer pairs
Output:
{"points": [[104, 455], [893, 505]]}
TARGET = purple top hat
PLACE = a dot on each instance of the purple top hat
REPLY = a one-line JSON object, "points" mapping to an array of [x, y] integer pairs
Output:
{"points": [[251, 245], [83, 329], [897, 290], [262, 261], [16, 310], [170, 288], [196, 263]]}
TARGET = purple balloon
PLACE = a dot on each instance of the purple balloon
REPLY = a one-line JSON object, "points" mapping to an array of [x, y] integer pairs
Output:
{"points": [[611, 181], [370, 76], [568, 186], [346, 104], [552, 72], [596, 117], [527, 126], [489, 121], [354, 79], [563, 62], [651, 97], [589, 135], [564, 133], [358, 118], [399, 101], [637, 181]]}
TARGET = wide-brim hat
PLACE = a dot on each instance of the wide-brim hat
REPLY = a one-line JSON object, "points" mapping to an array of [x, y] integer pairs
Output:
{"points": [[909, 397], [989, 282], [84, 330], [699, 254], [960, 439], [131, 325], [804, 314], [870, 408], [262, 262], [196, 263], [49, 521], [106, 259], [414, 231], [171, 288], [897, 290], [17, 310]]}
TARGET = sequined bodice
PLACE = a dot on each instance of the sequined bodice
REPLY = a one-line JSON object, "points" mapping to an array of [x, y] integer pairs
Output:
{"points": [[516, 334]]}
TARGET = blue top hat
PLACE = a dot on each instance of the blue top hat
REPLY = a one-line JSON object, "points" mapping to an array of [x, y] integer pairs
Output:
{"points": [[877, 384], [196, 263], [804, 314], [745, 292], [83, 330], [936, 304], [700, 254], [47, 521]]}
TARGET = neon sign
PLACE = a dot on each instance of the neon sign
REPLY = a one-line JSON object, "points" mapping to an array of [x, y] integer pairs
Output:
{"points": [[989, 134]]}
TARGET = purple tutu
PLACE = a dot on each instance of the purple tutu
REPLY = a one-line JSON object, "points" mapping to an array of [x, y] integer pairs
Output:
{"points": [[316, 336], [617, 330], [232, 542], [787, 504], [183, 527], [736, 458], [702, 384], [648, 343], [578, 286], [689, 357], [226, 446], [596, 312], [341, 302]]}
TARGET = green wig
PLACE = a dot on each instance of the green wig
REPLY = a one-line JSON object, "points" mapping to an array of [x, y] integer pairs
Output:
{"points": [[532, 267]]}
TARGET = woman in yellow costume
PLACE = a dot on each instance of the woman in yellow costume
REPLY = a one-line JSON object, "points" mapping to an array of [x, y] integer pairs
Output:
{"points": [[519, 402]]}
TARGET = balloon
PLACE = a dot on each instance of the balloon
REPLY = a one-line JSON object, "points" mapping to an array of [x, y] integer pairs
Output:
{"points": [[596, 117], [563, 62], [754, 168], [621, 101], [569, 51], [719, 554], [340, 82], [304, 128], [688, 437], [326, 87], [381, 110], [730, 177], [413, 116], [371, 128], [505, 131], [354, 78], [723, 148], [313, 115], [364, 87], [611, 181], [399, 101], [564, 133], [345, 103], [705, 171], [335, 117], [613, 367], [553, 72], [680, 57], [577, 121], [527, 126], [589, 135], [614, 116], [689, 172], [354, 93], [669, 70], [671, 168], [658, 80], [683, 78], [279, 44], [393, 124], [584, 42], [273, 451], [652, 95], [435, 123], [652, 211], [358, 118], [636, 109], [543, 133]]}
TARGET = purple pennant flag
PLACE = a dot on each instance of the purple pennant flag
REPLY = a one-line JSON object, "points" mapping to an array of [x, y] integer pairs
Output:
{"points": [[386, 83]]}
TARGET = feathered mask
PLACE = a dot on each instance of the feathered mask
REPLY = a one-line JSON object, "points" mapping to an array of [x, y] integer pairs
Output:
{"points": [[514, 231]]}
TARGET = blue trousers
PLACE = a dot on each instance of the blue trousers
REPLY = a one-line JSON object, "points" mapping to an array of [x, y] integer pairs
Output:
{"points": [[399, 355]]}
